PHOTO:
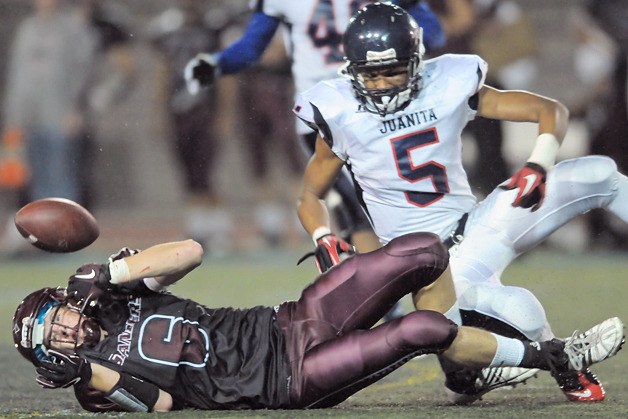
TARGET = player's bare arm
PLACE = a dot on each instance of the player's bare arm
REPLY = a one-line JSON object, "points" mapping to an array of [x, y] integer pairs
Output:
{"points": [[552, 118], [158, 266], [320, 173], [167, 262], [521, 106]]}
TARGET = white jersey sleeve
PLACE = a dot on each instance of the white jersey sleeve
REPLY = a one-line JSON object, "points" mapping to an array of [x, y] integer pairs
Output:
{"points": [[323, 108]]}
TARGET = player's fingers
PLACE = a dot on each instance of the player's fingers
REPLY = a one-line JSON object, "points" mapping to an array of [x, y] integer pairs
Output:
{"points": [[518, 198], [539, 203], [510, 185]]}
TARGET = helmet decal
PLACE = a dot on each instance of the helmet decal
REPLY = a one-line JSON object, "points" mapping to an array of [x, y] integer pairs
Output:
{"points": [[389, 54]]}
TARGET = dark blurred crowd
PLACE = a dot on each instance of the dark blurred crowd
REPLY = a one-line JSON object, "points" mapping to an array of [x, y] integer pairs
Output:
{"points": [[72, 63]]}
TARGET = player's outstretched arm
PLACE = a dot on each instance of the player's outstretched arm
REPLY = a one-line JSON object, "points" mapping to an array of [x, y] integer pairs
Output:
{"points": [[166, 262], [203, 69], [158, 266]]}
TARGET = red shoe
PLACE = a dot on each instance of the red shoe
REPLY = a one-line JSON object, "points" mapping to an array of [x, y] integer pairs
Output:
{"points": [[581, 386]]}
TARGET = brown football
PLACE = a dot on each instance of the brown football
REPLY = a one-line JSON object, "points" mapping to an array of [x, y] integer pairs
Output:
{"points": [[57, 225]]}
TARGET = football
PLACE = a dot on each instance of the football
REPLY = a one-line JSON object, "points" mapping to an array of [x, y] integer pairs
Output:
{"points": [[57, 225]]}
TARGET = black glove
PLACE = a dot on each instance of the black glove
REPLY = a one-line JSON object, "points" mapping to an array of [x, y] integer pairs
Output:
{"points": [[530, 180], [90, 282], [94, 400], [200, 71], [63, 372], [329, 249]]}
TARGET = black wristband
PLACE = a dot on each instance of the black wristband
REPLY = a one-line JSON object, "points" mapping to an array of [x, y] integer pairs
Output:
{"points": [[133, 394]]}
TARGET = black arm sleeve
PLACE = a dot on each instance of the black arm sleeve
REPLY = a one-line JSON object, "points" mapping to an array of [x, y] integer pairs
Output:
{"points": [[133, 394]]}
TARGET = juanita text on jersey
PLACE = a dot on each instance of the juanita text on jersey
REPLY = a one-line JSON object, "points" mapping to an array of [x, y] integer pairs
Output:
{"points": [[408, 120]]}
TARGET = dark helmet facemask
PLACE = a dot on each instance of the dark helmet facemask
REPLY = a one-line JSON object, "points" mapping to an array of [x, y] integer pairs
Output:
{"points": [[86, 332], [389, 100]]}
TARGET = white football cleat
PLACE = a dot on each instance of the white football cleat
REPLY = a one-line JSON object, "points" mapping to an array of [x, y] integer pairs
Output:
{"points": [[489, 379], [595, 345]]}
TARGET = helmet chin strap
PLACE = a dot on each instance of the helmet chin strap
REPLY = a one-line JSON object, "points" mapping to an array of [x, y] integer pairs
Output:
{"points": [[343, 70]]}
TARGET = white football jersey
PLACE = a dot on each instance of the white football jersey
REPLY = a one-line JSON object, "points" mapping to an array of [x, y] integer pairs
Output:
{"points": [[314, 30], [407, 165]]}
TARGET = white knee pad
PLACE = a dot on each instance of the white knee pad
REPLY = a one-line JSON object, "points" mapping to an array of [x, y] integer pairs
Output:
{"points": [[579, 185], [614, 183], [590, 170], [515, 306], [598, 178]]}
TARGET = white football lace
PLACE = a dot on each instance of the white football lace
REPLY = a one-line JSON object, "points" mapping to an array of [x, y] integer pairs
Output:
{"points": [[578, 350]]}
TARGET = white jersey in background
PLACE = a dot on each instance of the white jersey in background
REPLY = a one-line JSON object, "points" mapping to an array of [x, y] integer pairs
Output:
{"points": [[409, 164], [313, 31]]}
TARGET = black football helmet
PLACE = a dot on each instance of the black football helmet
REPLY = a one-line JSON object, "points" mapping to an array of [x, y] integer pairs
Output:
{"points": [[28, 324], [380, 36]]}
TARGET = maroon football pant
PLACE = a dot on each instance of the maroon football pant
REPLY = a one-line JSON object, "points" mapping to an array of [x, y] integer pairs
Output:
{"points": [[196, 147], [331, 343]]}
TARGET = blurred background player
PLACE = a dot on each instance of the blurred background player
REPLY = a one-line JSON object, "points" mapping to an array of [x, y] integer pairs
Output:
{"points": [[600, 64], [51, 58], [266, 95], [112, 79], [179, 34], [314, 46]]}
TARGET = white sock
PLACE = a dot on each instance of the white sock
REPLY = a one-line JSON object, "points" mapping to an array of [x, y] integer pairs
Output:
{"points": [[509, 352]]}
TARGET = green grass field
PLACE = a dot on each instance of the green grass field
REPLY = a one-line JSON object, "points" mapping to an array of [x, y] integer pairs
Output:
{"points": [[576, 290]]}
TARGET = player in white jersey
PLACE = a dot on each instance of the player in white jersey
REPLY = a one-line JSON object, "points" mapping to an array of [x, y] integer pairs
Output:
{"points": [[314, 30], [396, 121]]}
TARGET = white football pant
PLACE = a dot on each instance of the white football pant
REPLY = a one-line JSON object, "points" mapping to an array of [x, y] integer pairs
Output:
{"points": [[496, 233]]}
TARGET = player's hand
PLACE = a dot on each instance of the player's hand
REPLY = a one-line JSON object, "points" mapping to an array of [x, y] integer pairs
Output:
{"points": [[530, 181], [63, 372], [329, 251], [200, 72], [89, 282]]}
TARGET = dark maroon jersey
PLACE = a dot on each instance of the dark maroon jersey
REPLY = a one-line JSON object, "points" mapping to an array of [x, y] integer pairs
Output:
{"points": [[205, 358]]}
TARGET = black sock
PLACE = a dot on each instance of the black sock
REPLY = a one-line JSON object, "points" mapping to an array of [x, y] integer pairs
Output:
{"points": [[546, 355]]}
